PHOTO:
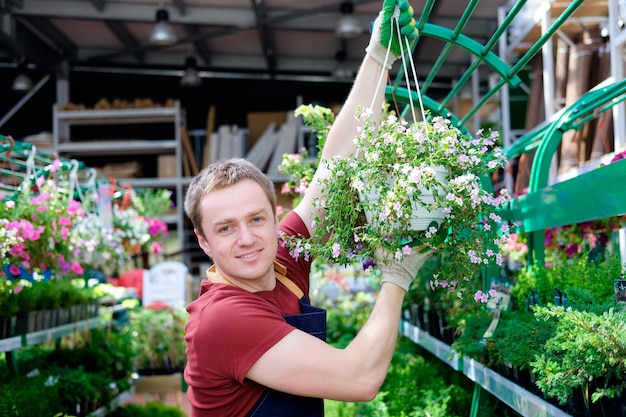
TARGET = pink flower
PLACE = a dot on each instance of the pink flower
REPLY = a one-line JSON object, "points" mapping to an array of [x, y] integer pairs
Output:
{"points": [[481, 297], [77, 268], [15, 270], [65, 221], [74, 207], [156, 227], [55, 165], [157, 247]]}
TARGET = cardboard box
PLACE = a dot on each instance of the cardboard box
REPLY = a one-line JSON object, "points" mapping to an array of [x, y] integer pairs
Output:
{"points": [[166, 166], [259, 121]]}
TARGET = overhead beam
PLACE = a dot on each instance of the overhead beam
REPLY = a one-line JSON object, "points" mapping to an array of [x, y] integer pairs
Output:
{"points": [[98, 4], [181, 6], [34, 49], [200, 46], [49, 33], [126, 38], [267, 40]]}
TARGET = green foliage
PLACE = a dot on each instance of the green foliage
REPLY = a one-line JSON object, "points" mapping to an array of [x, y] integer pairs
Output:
{"points": [[158, 338], [470, 342], [151, 202], [588, 350], [584, 281], [89, 371], [26, 397], [22, 296], [299, 167], [536, 278], [340, 409], [347, 317], [149, 409], [417, 386], [520, 337]]}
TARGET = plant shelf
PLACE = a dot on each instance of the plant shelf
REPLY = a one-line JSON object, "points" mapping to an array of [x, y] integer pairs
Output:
{"points": [[433, 345], [53, 333], [516, 397], [42, 336], [117, 402]]}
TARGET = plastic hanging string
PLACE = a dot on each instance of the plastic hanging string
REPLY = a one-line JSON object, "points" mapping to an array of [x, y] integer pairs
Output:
{"points": [[30, 163], [74, 184], [404, 47]]}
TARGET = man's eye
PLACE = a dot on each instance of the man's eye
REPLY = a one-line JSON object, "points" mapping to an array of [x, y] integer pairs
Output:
{"points": [[257, 219], [224, 229]]}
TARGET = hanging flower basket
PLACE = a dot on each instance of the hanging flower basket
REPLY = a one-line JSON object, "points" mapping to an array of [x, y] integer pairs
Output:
{"points": [[423, 182], [409, 186], [424, 211]]}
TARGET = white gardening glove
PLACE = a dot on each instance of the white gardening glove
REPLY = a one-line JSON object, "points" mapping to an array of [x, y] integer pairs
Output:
{"points": [[404, 271], [384, 29]]}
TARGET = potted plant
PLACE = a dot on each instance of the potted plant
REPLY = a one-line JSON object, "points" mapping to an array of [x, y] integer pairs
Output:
{"points": [[38, 220], [158, 334], [8, 307], [586, 353], [398, 168]]}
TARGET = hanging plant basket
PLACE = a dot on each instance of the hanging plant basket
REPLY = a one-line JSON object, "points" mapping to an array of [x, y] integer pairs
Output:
{"points": [[410, 184]]}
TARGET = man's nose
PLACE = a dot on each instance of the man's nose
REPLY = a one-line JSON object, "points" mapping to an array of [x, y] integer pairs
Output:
{"points": [[246, 236]]}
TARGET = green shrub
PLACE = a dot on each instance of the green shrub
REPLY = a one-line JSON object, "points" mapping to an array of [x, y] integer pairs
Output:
{"points": [[588, 351], [25, 397], [150, 409]]}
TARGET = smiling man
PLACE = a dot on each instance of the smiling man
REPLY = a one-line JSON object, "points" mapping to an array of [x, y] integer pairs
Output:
{"points": [[255, 346]]}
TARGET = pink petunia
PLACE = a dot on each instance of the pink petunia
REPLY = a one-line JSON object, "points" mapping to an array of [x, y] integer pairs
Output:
{"points": [[157, 247], [15, 270], [77, 268], [55, 165]]}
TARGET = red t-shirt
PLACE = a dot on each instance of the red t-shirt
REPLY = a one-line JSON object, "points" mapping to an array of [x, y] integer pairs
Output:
{"points": [[229, 329]]}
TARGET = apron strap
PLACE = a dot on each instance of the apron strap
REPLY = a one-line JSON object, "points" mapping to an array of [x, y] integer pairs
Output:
{"points": [[279, 270]]}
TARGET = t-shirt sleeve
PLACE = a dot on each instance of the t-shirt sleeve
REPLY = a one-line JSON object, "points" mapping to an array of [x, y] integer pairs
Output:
{"points": [[298, 270], [236, 329]]}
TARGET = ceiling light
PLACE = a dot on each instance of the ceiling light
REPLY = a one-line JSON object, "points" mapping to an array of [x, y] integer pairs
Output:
{"points": [[163, 34], [348, 26], [342, 71], [22, 82], [191, 77]]}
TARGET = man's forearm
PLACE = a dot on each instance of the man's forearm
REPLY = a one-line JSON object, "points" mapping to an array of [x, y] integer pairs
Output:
{"points": [[340, 138]]}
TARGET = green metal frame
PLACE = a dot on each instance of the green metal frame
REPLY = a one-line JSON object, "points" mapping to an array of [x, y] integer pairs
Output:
{"points": [[544, 206], [482, 53], [14, 156], [547, 206]]}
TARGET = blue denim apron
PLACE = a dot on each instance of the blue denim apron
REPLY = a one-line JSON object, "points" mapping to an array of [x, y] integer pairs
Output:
{"points": [[272, 403]]}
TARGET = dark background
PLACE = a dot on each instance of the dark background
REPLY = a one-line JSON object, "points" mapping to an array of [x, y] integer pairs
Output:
{"points": [[233, 98]]}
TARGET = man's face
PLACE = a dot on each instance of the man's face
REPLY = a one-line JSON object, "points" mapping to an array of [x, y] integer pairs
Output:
{"points": [[240, 234]]}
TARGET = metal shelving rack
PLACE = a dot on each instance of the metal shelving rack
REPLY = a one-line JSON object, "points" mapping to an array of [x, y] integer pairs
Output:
{"points": [[47, 335], [30, 339], [62, 144], [516, 397], [504, 59]]}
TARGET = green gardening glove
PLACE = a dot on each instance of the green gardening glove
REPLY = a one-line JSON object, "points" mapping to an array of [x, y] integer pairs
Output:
{"points": [[394, 12]]}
